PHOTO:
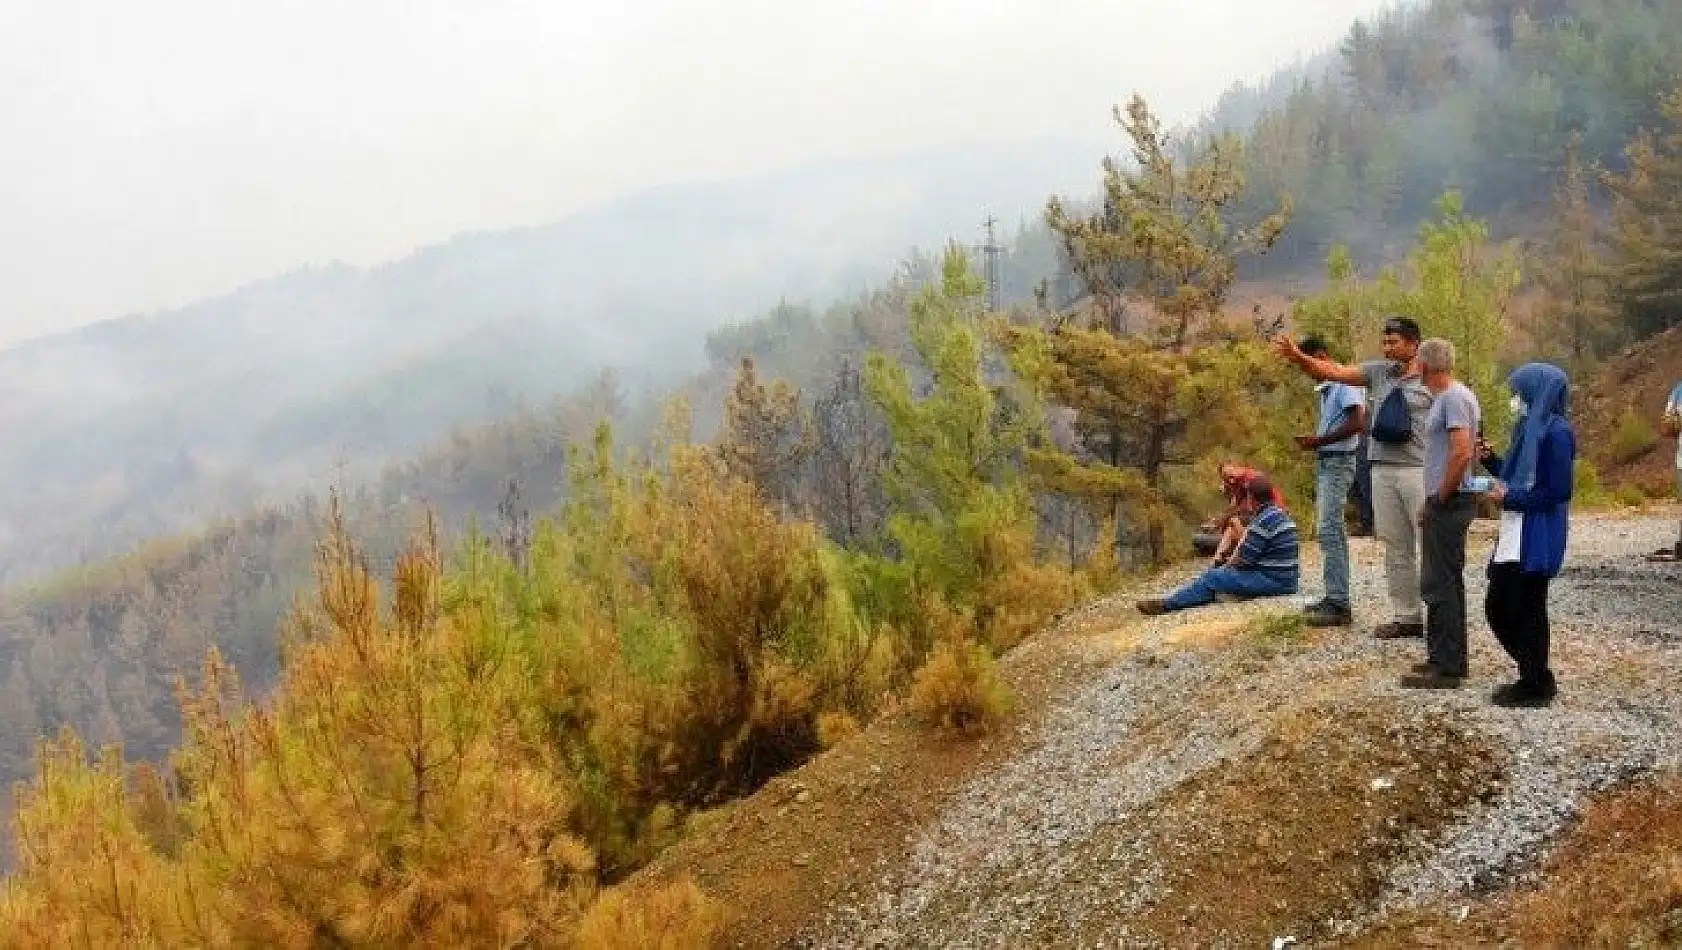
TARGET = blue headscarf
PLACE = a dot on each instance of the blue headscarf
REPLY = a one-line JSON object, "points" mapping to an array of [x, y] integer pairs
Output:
{"points": [[1546, 393]]}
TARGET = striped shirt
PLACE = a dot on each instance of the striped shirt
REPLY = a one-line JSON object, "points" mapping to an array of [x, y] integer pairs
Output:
{"points": [[1270, 544]]}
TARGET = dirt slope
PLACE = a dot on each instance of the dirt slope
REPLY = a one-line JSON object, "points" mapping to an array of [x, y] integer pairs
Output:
{"points": [[1191, 780]]}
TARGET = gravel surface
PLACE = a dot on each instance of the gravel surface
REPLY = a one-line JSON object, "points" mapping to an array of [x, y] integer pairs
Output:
{"points": [[1050, 849]]}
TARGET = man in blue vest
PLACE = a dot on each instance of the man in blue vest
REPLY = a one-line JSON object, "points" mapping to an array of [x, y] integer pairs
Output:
{"points": [[1342, 418]]}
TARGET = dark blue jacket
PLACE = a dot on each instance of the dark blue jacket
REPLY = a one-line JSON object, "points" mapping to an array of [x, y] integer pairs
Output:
{"points": [[1547, 505]]}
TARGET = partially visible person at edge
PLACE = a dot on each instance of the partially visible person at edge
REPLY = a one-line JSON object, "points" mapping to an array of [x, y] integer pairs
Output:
{"points": [[1235, 482], [1361, 491], [1397, 457], [1673, 408], [1450, 448], [1534, 491], [1265, 564], [1342, 418]]}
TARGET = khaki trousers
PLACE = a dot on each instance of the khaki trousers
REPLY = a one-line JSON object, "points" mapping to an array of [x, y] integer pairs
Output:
{"points": [[1398, 494]]}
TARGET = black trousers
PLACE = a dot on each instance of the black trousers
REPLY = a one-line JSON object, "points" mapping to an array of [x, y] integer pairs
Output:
{"points": [[1442, 580], [1517, 609], [1361, 492]]}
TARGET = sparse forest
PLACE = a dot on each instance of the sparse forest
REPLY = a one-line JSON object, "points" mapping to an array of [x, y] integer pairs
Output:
{"points": [[651, 609]]}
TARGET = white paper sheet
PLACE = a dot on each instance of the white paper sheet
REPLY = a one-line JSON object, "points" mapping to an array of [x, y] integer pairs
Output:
{"points": [[1510, 537]]}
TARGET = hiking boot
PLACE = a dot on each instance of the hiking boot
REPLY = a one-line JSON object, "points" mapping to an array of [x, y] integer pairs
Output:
{"points": [[1436, 678], [1395, 630], [1152, 608], [1328, 613], [1521, 695]]}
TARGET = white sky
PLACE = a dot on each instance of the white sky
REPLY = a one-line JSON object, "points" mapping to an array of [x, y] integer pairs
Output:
{"points": [[152, 153]]}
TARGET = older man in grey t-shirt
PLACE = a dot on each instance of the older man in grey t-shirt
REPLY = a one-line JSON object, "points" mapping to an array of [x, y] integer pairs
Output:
{"points": [[1450, 435], [1398, 482]]}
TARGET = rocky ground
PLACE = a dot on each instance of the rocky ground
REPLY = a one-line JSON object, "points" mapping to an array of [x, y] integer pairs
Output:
{"points": [[1218, 778]]}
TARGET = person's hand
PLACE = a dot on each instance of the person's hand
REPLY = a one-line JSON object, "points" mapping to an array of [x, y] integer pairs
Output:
{"points": [[1287, 348], [1498, 494], [1485, 450], [1308, 441]]}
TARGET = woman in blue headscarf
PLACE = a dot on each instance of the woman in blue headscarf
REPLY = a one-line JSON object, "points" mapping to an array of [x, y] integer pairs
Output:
{"points": [[1534, 492]]}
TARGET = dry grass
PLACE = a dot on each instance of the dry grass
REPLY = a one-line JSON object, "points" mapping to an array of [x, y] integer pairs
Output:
{"points": [[1616, 881]]}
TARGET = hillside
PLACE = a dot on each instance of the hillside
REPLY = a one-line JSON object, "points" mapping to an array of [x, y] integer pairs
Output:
{"points": [[99, 649], [1154, 764], [152, 424], [654, 639], [1478, 95], [1634, 385]]}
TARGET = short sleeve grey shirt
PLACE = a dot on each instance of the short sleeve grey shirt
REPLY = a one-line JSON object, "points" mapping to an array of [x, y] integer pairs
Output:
{"points": [[1383, 376], [1455, 408]]}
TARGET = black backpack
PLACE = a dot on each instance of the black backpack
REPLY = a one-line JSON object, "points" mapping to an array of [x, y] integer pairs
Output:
{"points": [[1393, 424]]}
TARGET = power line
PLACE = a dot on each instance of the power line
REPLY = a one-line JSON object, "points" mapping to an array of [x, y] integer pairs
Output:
{"points": [[991, 251]]}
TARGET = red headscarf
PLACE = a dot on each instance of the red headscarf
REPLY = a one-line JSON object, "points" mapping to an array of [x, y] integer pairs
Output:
{"points": [[1236, 483]]}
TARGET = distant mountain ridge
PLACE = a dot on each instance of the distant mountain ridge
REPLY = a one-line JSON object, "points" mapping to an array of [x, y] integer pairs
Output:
{"points": [[149, 424]]}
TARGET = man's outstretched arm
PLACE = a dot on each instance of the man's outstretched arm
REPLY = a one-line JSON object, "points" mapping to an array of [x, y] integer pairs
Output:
{"points": [[1318, 369]]}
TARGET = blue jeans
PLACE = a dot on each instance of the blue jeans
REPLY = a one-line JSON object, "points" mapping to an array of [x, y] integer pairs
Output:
{"points": [[1333, 474], [1227, 580]]}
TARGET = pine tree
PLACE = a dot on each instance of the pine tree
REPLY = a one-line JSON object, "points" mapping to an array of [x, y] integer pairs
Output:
{"points": [[1575, 317], [849, 453], [1460, 287], [1155, 392], [766, 440], [1166, 233], [1454, 282], [1646, 235], [962, 515]]}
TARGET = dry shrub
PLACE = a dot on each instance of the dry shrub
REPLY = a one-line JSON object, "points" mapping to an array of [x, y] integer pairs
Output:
{"points": [[835, 727], [1633, 438], [85, 875], [958, 689], [1017, 596], [1588, 492], [752, 595], [673, 917], [1630, 496], [1617, 881], [1101, 573], [697, 637], [387, 796]]}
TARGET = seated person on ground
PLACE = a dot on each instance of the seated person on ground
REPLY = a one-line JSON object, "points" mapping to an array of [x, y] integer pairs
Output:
{"points": [[1228, 529], [1265, 564]]}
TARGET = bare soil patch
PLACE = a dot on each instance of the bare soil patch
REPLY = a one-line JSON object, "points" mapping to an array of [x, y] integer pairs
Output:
{"points": [[1310, 823]]}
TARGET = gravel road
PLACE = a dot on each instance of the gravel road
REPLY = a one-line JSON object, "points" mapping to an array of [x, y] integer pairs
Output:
{"points": [[1060, 846]]}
